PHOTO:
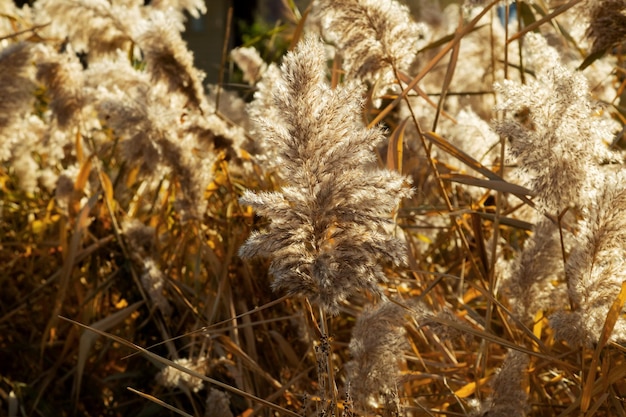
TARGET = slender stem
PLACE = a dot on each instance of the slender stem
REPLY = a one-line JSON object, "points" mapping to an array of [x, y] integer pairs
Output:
{"points": [[572, 305], [431, 64], [220, 82], [326, 350], [546, 18]]}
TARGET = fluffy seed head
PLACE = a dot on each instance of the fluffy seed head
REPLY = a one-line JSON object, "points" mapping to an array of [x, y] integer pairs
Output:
{"points": [[330, 225]]}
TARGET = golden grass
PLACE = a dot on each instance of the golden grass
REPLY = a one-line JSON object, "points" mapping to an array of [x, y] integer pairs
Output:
{"points": [[77, 335]]}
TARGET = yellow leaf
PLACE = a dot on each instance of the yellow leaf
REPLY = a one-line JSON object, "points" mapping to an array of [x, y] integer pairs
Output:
{"points": [[3, 182], [538, 327], [424, 238], [245, 155], [131, 177], [83, 176], [87, 339], [121, 304], [470, 388], [609, 324], [471, 294], [395, 148], [108, 190], [79, 148]]}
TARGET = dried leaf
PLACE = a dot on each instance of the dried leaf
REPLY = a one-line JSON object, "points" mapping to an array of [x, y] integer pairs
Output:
{"points": [[87, 339], [470, 388], [395, 148], [609, 324]]}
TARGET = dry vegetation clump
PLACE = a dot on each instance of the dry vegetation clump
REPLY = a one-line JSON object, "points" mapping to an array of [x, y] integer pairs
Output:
{"points": [[413, 212]]}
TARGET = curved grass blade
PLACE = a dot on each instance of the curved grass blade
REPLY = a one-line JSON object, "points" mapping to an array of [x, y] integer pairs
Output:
{"points": [[181, 368]]}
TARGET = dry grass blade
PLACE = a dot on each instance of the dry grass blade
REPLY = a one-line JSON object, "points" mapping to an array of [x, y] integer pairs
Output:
{"points": [[559, 10], [68, 266], [597, 405], [616, 374], [191, 372], [159, 402], [590, 59], [286, 386], [531, 335], [479, 240], [87, 339], [297, 34], [32, 296], [486, 336], [609, 324], [206, 329], [454, 57], [107, 187], [445, 39], [491, 184], [220, 81], [406, 79], [21, 32], [285, 348], [507, 221], [112, 192], [431, 64], [472, 163], [470, 389], [248, 361], [461, 156], [396, 147]]}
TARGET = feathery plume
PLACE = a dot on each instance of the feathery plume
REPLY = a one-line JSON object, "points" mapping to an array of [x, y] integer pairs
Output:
{"points": [[374, 37], [20, 145], [378, 339], [155, 135], [26, 170], [168, 60], [554, 135], [329, 226], [108, 30], [16, 85], [250, 63], [116, 26], [140, 237], [262, 107], [607, 23], [170, 377], [539, 278], [509, 397], [177, 8], [217, 404], [63, 77], [596, 268], [153, 281]]}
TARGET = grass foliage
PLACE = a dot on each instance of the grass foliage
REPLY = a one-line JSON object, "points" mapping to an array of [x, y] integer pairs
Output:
{"points": [[409, 213]]}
